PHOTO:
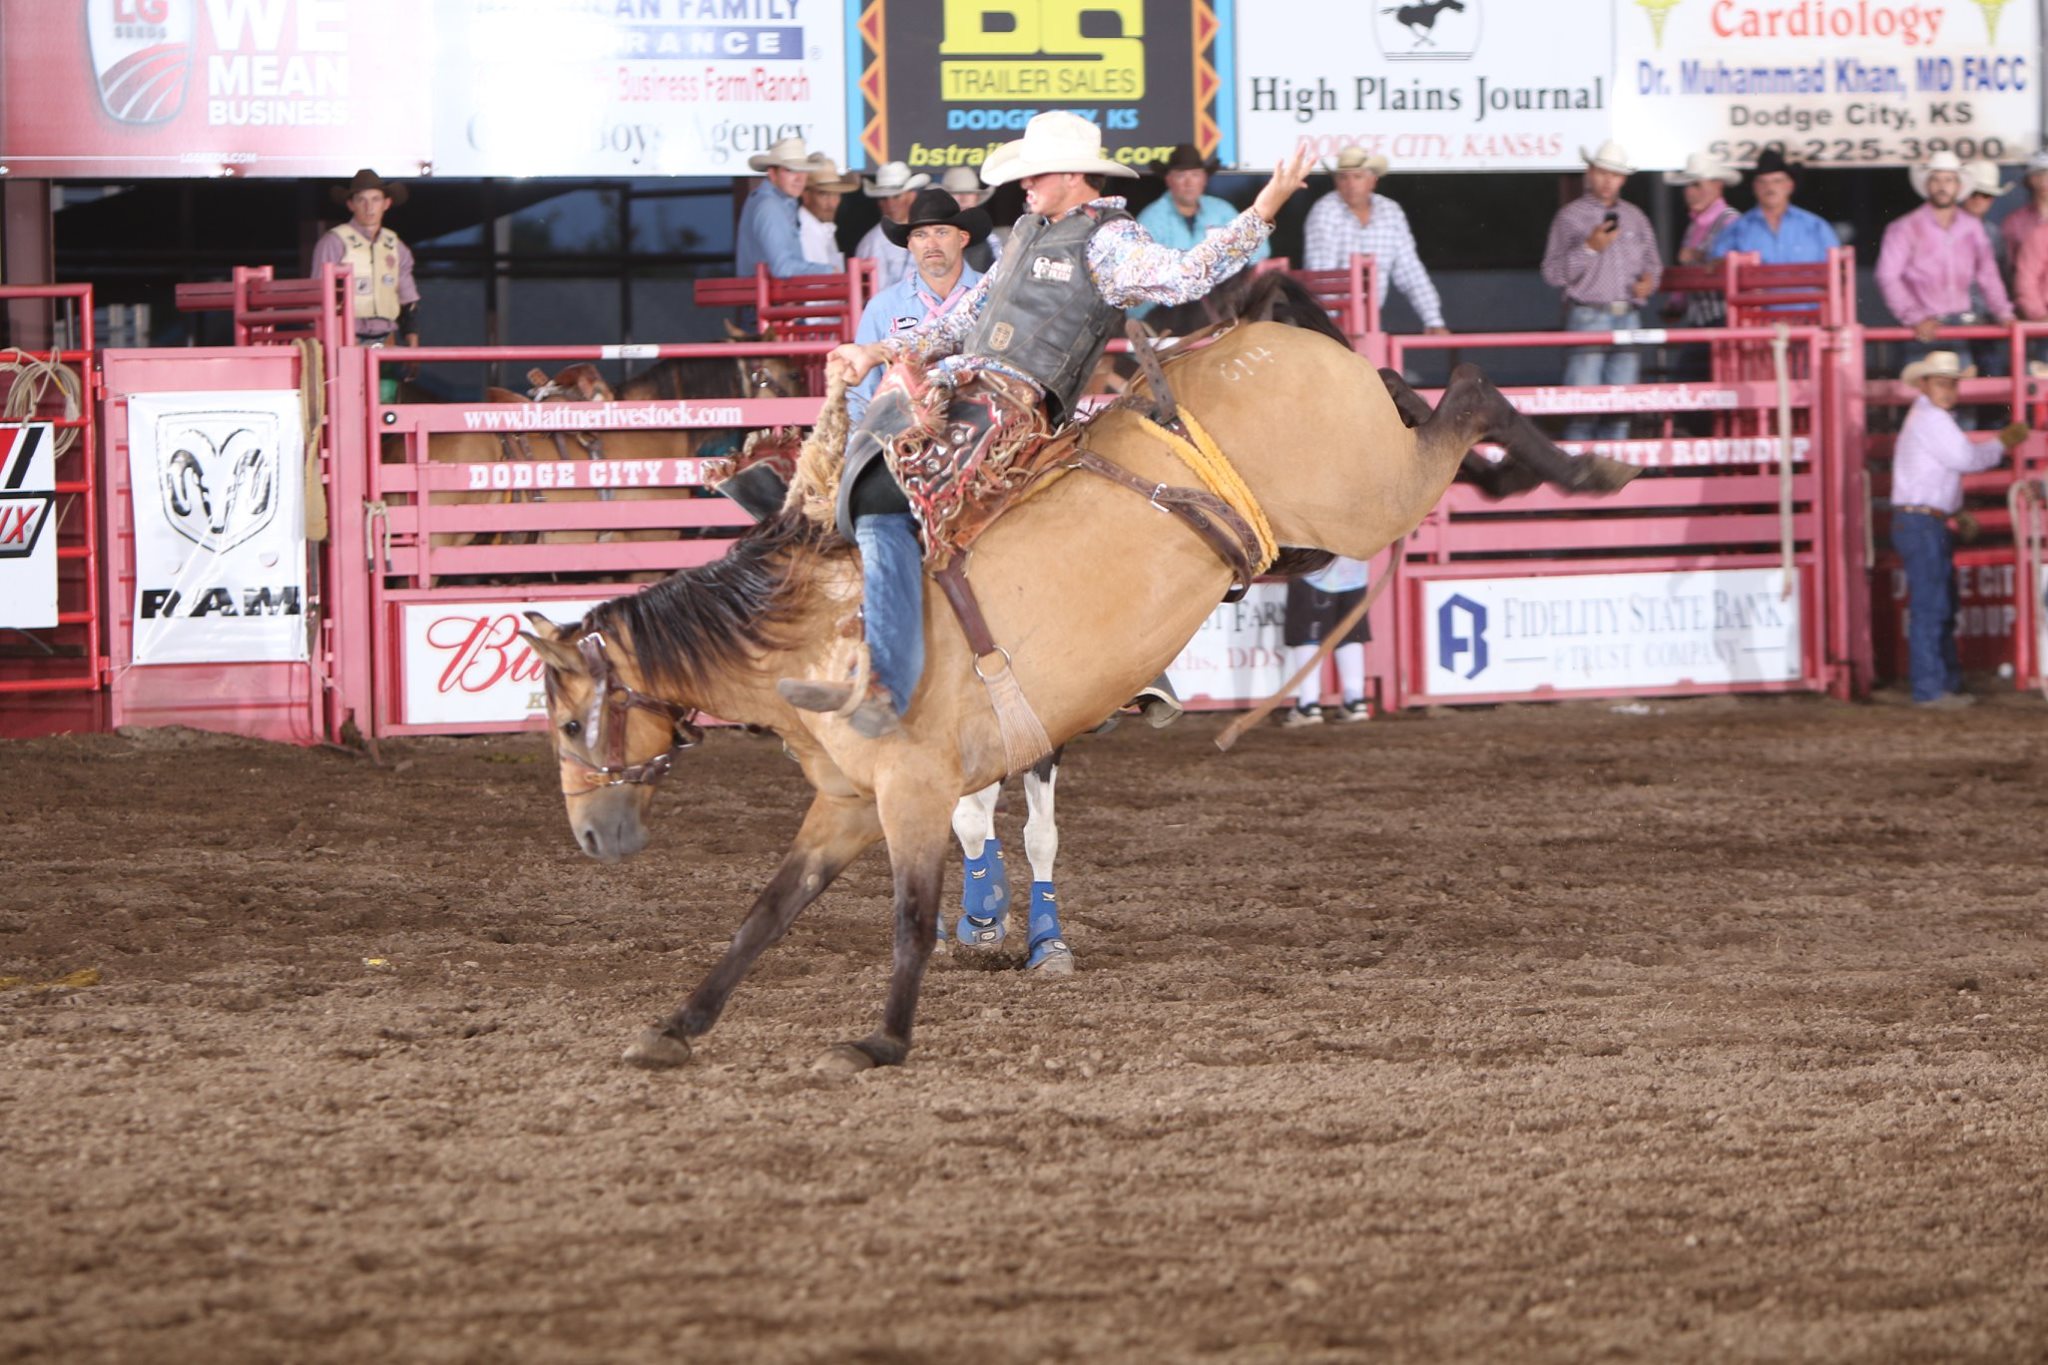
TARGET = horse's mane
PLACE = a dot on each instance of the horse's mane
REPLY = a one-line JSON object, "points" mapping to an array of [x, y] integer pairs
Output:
{"points": [[1277, 296], [687, 377], [702, 622]]}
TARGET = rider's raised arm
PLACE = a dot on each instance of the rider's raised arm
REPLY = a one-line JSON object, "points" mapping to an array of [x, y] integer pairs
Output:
{"points": [[1130, 268]]}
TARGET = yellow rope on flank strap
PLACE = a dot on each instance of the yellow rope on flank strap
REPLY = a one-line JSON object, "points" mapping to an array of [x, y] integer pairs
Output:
{"points": [[1219, 476]]}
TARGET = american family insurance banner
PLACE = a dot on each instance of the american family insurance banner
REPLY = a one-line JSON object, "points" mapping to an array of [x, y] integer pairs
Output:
{"points": [[212, 87], [634, 87], [1438, 85], [1831, 82], [941, 83]]}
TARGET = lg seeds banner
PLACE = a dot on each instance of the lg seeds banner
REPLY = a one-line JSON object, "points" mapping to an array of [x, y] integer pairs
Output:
{"points": [[217, 482], [941, 83], [1832, 82], [634, 87], [213, 87], [1438, 85], [28, 531]]}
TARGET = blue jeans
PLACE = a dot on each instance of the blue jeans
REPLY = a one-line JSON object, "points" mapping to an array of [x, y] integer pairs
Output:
{"points": [[1588, 367], [1923, 544], [892, 581]]}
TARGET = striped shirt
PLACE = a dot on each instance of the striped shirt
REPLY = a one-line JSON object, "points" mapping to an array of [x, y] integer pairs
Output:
{"points": [[1333, 233], [1598, 278]]}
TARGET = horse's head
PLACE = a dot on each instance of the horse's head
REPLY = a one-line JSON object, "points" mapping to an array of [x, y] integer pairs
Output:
{"points": [[613, 742], [765, 376]]}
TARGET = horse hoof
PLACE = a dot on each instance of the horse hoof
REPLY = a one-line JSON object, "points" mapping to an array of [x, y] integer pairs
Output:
{"points": [[975, 932], [1051, 958], [657, 1051], [1609, 475], [844, 1059]]}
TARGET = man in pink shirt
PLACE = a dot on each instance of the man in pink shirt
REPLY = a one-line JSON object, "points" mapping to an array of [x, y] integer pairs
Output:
{"points": [[2021, 222], [1934, 255]]}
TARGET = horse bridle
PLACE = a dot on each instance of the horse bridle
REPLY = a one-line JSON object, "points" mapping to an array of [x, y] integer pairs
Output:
{"points": [[605, 722], [759, 380]]}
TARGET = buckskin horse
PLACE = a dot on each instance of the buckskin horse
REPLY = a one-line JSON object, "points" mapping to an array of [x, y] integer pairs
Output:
{"points": [[1088, 588]]}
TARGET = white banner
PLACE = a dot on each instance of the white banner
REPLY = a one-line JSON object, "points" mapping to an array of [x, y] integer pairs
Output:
{"points": [[1440, 85], [28, 526], [651, 87], [463, 662], [218, 486], [1587, 632], [1237, 654], [1832, 82]]}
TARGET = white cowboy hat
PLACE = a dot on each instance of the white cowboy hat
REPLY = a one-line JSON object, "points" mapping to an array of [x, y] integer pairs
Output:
{"points": [[1982, 177], [1610, 157], [962, 180], [1936, 365], [893, 179], [824, 175], [1053, 142], [1940, 161], [1704, 166], [788, 154], [1357, 159]]}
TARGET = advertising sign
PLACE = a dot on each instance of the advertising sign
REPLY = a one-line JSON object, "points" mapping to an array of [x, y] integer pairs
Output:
{"points": [[464, 663], [1608, 632], [28, 533], [942, 83], [214, 87], [650, 87], [1238, 654], [1436, 85], [217, 482], [1830, 82]]}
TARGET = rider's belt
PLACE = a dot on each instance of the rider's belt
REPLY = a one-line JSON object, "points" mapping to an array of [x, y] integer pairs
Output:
{"points": [[373, 338], [1619, 308], [1920, 509]]}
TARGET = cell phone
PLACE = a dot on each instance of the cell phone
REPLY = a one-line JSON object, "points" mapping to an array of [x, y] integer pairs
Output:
{"points": [[1611, 221]]}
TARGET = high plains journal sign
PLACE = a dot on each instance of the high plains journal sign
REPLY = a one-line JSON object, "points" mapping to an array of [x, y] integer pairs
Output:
{"points": [[98, 88]]}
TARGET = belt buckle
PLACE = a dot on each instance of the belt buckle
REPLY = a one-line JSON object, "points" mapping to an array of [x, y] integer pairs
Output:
{"points": [[1618, 309]]}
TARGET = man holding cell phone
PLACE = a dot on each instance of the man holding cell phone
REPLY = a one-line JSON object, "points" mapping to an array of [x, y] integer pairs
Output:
{"points": [[1602, 254]]}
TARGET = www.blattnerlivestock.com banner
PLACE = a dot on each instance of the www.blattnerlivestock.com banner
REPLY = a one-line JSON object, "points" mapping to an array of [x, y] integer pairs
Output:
{"points": [[1831, 82], [218, 486], [1438, 85]]}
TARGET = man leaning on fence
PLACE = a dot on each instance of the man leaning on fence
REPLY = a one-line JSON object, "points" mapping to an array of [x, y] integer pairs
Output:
{"points": [[768, 232], [387, 301], [1777, 231], [1933, 256], [1603, 254]]}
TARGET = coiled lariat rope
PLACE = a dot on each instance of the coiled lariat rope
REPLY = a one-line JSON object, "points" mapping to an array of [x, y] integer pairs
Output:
{"points": [[32, 379]]}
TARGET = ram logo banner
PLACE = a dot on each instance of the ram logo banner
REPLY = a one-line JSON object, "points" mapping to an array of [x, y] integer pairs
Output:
{"points": [[141, 56], [28, 549], [218, 475]]}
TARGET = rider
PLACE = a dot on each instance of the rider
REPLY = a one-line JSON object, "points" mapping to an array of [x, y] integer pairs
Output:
{"points": [[1040, 319]]}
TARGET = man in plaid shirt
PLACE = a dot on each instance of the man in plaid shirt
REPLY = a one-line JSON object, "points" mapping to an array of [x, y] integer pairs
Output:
{"points": [[1351, 218]]}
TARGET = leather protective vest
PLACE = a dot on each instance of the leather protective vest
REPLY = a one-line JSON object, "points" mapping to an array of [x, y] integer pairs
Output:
{"points": [[376, 284], [1044, 317]]}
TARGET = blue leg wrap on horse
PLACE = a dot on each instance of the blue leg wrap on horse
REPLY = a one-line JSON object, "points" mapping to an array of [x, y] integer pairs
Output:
{"points": [[892, 583], [1046, 935], [985, 883]]}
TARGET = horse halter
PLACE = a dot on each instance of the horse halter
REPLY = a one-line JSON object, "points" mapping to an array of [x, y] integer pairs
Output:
{"points": [[605, 723]]}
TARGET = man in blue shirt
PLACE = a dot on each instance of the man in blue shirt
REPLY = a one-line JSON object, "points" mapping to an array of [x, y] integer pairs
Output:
{"points": [[937, 232], [1186, 214], [1776, 229], [768, 232]]}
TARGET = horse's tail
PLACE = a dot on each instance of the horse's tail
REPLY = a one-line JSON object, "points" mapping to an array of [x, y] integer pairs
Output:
{"points": [[815, 489]]}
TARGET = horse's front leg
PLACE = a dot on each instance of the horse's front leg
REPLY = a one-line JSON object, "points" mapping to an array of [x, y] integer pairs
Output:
{"points": [[835, 831], [984, 879]]}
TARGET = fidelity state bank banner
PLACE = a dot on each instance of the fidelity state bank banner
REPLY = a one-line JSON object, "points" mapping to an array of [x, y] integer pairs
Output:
{"points": [[1437, 85], [217, 484], [1832, 82], [941, 83], [98, 88], [634, 87]]}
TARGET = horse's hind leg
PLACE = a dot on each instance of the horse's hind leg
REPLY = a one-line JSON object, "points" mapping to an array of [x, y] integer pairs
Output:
{"points": [[984, 878], [835, 832], [1496, 479], [1049, 951], [1473, 409]]}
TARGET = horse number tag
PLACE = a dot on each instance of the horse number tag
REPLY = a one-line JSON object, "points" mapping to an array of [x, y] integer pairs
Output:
{"points": [[1047, 268]]}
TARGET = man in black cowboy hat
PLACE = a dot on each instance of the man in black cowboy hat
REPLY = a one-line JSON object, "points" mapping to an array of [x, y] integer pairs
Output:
{"points": [[1777, 229], [937, 233], [387, 302], [1187, 213]]}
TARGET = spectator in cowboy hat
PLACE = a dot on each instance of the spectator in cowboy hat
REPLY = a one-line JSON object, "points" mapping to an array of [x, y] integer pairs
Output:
{"points": [[1704, 182], [1928, 463], [769, 232], [387, 301], [2021, 222], [1777, 230], [1353, 219], [936, 233], [892, 188], [1932, 257], [1602, 253], [1187, 213], [816, 218], [964, 184]]}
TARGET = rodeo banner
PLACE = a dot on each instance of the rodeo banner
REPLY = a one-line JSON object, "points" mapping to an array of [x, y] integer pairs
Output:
{"points": [[1437, 85], [217, 482], [941, 83], [28, 534], [635, 87], [1831, 82], [212, 87]]}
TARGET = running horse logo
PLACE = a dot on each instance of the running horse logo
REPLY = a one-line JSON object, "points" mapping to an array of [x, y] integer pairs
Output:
{"points": [[219, 477], [1428, 30], [1420, 20], [141, 56]]}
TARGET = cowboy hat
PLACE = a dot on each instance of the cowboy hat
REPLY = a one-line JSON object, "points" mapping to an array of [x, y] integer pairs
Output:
{"points": [[824, 175], [1703, 166], [1936, 365], [893, 179], [1771, 161], [1053, 142], [367, 179], [1610, 157], [787, 154], [936, 206], [1185, 156], [1982, 177], [1357, 159], [1940, 161], [962, 180]]}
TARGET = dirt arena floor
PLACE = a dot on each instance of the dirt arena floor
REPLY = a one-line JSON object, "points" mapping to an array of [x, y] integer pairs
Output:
{"points": [[1707, 1032]]}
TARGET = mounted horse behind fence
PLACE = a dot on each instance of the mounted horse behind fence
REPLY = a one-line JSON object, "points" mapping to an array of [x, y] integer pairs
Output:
{"points": [[1088, 589]]}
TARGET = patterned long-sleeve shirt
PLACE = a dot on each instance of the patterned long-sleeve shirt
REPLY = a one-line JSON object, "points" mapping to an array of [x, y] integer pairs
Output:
{"points": [[1925, 270], [1126, 266], [1932, 455], [1599, 278], [1333, 233], [768, 234]]}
